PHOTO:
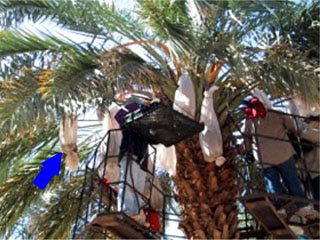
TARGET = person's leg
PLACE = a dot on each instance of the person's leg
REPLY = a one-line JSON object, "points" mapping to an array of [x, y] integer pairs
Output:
{"points": [[272, 180], [290, 178], [131, 202], [138, 179], [273, 184], [315, 188], [126, 197]]}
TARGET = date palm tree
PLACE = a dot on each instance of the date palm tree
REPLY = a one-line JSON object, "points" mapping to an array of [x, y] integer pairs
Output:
{"points": [[236, 45]]}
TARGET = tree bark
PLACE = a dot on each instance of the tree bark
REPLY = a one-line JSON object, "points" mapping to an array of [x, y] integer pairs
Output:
{"points": [[207, 193]]}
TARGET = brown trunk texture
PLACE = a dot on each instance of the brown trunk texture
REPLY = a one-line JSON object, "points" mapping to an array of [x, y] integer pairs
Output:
{"points": [[206, 193]]}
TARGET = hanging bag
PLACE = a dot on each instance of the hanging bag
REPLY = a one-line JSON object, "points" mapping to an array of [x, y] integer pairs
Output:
{"points": [[210, 137], [185, 98], [68, 140]]}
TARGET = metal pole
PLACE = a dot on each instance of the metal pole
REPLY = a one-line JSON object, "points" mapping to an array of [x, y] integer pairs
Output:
{"points": [[104, 170], [128, 158], [80, 204]]}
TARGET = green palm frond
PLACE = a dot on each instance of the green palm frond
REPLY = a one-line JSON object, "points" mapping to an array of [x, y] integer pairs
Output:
{"points": [[299, 26], [62, 209], [73, 78], [17, 92], [21, 105], [18, 145], [18, 188], [13, 65], [14, 42], [284, 72], [86, 17], [17, 194], [125, 69], [169, 20], [15, 12]]}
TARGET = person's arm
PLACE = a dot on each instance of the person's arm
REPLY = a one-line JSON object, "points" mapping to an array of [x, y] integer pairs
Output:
{"points": [[289, 124], [304, 131], [311, 134]]}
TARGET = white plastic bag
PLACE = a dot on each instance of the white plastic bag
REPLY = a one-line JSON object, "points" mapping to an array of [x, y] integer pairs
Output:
{"points": [[68, 140], [113, 142], [262, 97], [185, 97], [210, 138], [166, 158]]}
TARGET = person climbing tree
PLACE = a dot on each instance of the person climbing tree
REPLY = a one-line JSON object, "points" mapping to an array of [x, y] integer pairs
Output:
{"points": [[133, 164], [268, 131]]}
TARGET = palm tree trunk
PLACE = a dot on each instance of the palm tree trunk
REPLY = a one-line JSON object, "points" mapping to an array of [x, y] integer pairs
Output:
{"points": [[207, 193]]}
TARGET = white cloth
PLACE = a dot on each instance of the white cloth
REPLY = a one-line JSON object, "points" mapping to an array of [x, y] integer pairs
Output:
{"points": [[131, 174], [112, 143], [68, 140], [262, 97], [156, 194], [210, 137], [166, 158], [185, 97]]}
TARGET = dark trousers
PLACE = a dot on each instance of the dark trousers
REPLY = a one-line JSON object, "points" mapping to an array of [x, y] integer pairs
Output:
{"points": [[315, 187], [287, 171]]}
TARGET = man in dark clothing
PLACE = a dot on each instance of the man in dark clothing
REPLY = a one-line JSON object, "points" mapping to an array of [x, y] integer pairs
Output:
{"points": [[137, 145]]}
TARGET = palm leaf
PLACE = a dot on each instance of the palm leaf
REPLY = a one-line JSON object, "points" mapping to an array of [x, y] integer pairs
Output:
{"points": [[17, 146], [18, 189], [86, 17], [13, 42], [62, 210], [169, 20]]}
